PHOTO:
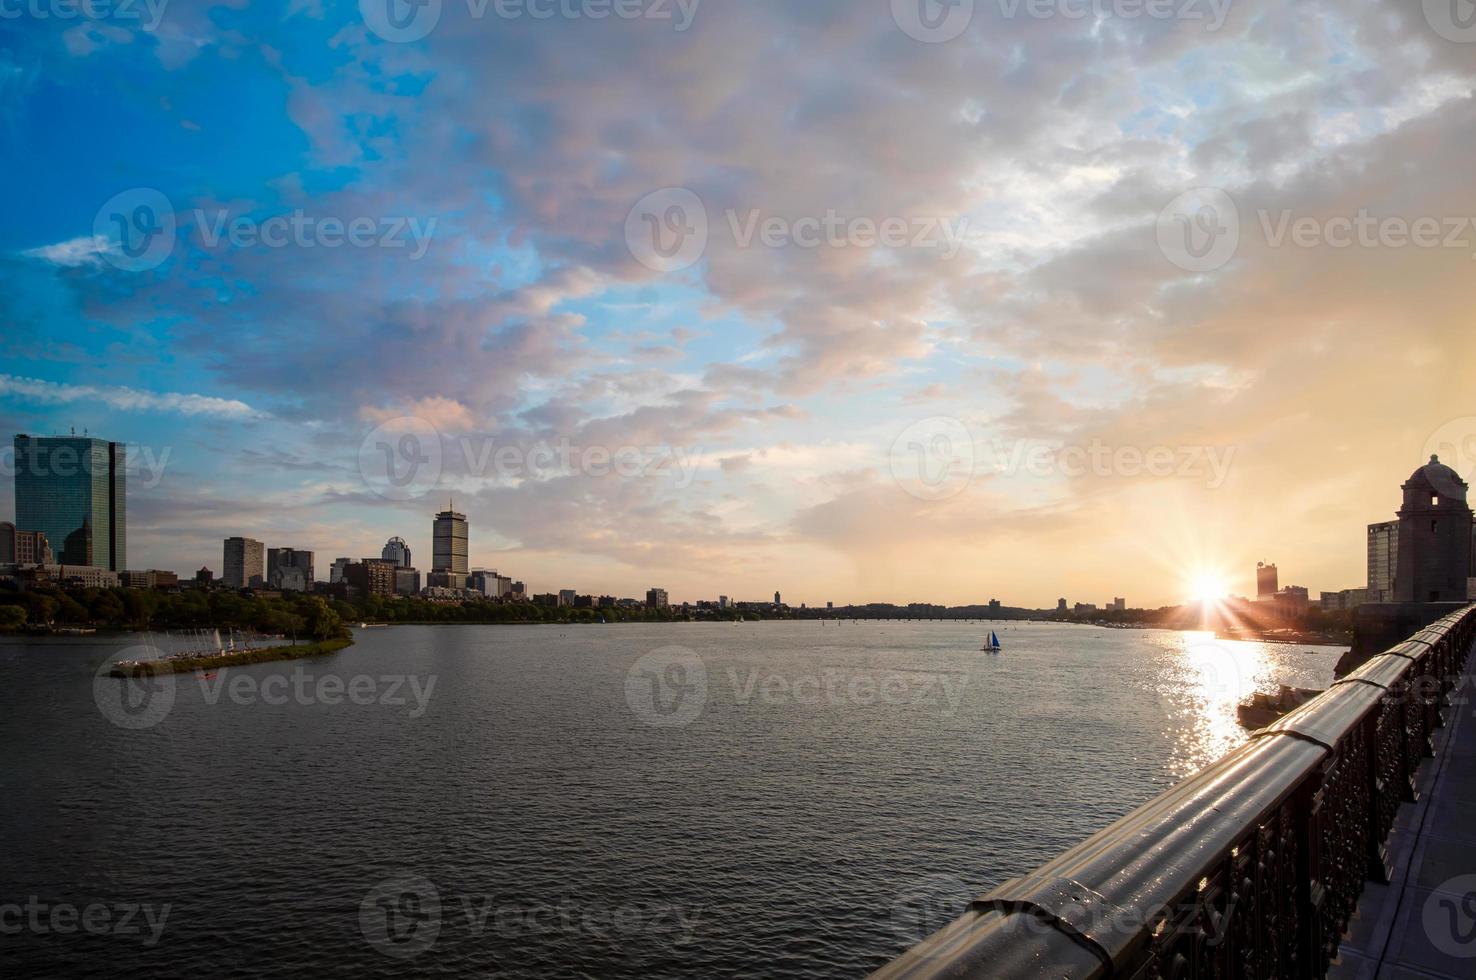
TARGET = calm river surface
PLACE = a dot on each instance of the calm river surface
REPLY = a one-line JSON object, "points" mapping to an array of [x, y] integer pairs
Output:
{"points": [[791, 800]]}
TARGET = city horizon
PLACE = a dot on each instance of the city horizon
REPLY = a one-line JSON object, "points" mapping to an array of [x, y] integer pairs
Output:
{"points": [[1124, 352]]}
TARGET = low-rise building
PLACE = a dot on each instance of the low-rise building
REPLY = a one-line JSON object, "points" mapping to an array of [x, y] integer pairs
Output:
{"points": [[81, 576], [152, 578]]}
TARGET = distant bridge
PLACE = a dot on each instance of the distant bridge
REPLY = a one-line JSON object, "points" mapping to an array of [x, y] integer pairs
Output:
{"points": [[1254, 868]]}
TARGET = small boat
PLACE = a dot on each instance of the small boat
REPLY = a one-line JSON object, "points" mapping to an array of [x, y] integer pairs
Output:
{"points": [[991, 645]]}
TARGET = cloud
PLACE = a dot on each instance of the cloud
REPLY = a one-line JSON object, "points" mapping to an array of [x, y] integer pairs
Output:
{"points": [[128, 399], [87, 250]]}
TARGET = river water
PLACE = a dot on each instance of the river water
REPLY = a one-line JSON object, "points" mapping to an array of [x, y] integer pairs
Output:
{"points": [[792, 800]]}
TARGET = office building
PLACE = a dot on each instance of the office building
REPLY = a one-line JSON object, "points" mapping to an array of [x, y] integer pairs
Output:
{"points": [[1266, 582], [407, 581], [449, 545], [1346, 599], [1434, 563], [335, 571], [80, 576], [397, 551], [243, 563], [289, 569], [657, 599], [778, 600], [370, 577], [1119, 605], [74, 491], [1383, 560], [490, 584], [19, 547]]}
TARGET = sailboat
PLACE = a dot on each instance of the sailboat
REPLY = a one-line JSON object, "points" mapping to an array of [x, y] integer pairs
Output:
{"points": [[992, 644]]}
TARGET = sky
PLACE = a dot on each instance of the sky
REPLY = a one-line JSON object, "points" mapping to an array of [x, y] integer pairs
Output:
{"points": [[857, 300]]}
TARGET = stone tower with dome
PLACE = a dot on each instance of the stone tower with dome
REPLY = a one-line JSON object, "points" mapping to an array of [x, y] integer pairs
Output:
{"points": [[1434, 537]]}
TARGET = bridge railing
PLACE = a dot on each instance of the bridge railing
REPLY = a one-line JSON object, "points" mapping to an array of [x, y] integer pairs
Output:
{"points": [[1250, 868]]}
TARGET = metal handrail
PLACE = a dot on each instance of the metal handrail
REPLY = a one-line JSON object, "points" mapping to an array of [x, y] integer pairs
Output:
{"points": [[1250, 868]]}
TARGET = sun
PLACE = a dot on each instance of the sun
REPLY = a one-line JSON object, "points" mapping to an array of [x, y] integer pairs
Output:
{"points": [[1209, 587]]}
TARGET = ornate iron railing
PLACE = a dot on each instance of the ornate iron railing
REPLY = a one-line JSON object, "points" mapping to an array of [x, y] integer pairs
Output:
{"points": [[1249, 869]]}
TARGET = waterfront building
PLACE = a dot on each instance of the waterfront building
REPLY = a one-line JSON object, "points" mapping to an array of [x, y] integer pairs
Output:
{"points": [[1060, 605], [1291, 602], [243, 563], [1434, 563], [19, 547], [80, 576], [74, 491], [657, 599], [450, 536], [778, 601], [723, 602], [489, 584], [1345, 599], [289, 569], [407, 581], [370, 577], [1266, 582], [1383, 560], [397, 551], [607, 602], [152, 578], [566, 597]]}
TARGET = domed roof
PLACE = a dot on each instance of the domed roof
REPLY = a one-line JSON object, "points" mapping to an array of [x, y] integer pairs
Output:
{"points": [[1440, 478]]}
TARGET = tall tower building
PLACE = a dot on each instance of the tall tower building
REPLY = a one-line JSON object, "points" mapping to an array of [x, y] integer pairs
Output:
{"points": [[1434, 562], [397, 551], [1267, 582], [449, 544], [244, 563], [74, 490], [1383, 560]]}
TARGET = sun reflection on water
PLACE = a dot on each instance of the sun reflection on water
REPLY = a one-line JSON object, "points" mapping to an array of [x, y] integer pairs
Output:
{"points": [[1202, 683]]}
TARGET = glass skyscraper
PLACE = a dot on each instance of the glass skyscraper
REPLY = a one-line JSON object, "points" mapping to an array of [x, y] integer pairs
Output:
{"points": [[74, 490]]}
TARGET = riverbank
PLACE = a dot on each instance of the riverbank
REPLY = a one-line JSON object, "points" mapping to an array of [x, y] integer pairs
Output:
{"points": [[237, 658]]}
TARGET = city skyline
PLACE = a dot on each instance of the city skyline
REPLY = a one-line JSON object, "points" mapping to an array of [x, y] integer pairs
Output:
{"points": [[1036, 370]]}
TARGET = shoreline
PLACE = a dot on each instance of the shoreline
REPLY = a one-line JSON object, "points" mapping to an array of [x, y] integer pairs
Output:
{"points": [[239, 658]]}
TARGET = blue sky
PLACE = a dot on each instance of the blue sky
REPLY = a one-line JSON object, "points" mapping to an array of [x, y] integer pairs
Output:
{"points": [[853, 418]]}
